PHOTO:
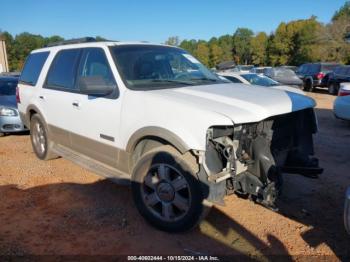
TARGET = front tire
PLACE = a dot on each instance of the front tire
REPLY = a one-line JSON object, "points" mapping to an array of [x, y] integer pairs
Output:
{"points": [[166, 191], [41, 144]]}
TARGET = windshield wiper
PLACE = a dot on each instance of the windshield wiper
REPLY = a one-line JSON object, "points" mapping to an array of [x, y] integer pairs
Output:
{"points": [[173, 81]]}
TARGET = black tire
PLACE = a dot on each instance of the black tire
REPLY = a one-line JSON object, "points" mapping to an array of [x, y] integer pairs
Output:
{"points": [[332, 89], [166, 157], [45, 152], [308, 85]]}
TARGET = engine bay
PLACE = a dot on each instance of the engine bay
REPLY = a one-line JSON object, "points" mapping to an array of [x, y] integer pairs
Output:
{"points": [[249, 159]]}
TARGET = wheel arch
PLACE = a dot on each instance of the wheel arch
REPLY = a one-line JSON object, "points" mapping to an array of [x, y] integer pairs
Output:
{"points": [[31, 110], [159, 134]]}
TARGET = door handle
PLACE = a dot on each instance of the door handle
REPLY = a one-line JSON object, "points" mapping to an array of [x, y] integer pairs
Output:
{"points": [[76, 104], [42, 97]]}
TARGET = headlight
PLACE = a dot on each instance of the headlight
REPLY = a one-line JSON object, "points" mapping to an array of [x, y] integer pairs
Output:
{"points": [[7, 112]]}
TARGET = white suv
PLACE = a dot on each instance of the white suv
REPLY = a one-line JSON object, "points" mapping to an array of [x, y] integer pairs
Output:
{"points": [[155, 116]]}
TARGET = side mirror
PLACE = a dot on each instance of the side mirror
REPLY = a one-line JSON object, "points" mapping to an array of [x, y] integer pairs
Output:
{"points": [[95, 85]]}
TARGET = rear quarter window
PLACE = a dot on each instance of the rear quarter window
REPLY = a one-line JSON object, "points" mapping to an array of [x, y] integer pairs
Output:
{"points": [[32, 68]]}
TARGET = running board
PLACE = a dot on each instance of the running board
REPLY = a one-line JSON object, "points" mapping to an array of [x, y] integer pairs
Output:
{"points": [[90, 164]]}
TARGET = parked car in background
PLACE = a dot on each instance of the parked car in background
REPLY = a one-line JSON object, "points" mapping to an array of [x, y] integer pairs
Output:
{"points": [[294, 68], [259, 70], [258, 80], [339, 75], [154, 116], [243, 68], [315, 74], [10, 121], [347, 211], [341, 106], [225, 65], [284, 76]]}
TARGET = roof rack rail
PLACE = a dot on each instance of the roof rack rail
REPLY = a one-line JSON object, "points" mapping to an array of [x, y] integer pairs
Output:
{"points": [[73, 41]]}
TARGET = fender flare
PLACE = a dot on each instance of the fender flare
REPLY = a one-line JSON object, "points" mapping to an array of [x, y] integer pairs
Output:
{"points": [[157, 132]]}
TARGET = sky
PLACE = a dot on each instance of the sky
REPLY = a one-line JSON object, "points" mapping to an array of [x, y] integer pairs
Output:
{"points": [[155, 20]]}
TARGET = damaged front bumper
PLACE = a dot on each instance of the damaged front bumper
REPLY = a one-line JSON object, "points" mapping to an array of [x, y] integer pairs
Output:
{"points": [[249, 159]]}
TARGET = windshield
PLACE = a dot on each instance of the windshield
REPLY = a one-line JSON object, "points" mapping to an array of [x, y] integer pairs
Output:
{"points": [[8, 87], [255, 79], [146, 67]]}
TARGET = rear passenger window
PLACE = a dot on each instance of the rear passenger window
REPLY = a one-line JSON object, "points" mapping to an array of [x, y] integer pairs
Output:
{"points": [[94, 64], [32, 68], [63, 70]]}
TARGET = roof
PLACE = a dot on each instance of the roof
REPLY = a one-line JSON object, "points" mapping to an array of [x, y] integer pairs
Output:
{"points": [[94, 44]]}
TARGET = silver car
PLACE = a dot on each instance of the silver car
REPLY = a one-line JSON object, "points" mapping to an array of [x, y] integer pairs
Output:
{"points": [[10, 121], [347, 211]]}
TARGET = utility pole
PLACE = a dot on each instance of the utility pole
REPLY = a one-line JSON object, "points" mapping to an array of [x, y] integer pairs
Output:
{"points": [[4, 66]]}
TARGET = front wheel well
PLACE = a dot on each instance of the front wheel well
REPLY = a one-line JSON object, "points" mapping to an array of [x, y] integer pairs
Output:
{"points": [[145, 145]]}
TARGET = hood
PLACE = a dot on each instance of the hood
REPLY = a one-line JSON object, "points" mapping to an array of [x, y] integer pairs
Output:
{"points": [[241, 103], [8, 101]]}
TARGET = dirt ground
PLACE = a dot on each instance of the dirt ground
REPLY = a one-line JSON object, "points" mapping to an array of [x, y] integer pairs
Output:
{"points": [[58, 208]]}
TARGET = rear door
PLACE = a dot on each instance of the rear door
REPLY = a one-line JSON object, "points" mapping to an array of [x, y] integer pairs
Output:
{"points": [[57, 94]]}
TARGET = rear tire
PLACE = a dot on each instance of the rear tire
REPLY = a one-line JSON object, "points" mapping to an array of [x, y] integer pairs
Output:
{"points": [[167, 192], [308, 86], [332, 89], [42, 146]]}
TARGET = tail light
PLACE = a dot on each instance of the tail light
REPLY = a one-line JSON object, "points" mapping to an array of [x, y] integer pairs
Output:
{"points": [[344, 89], [320, 75], [18, 99]]}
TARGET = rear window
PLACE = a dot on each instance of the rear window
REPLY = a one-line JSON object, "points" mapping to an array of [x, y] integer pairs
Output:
{"points": [[8, 87], [329, 67], [63, 70], [32, 68], [313, 68]]}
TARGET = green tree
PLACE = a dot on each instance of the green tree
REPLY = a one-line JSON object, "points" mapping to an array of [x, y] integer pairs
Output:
{"points": [[202, 52], [215, 54], [189, 45], [343, 11], [173, 40], [226, 44], [259, 49], [242, 45]]}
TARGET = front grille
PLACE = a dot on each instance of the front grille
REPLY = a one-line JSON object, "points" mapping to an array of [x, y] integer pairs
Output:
{"points": [[10, 127]]}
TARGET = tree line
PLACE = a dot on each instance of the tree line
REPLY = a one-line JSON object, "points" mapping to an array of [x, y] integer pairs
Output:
{"points": [[292, 43]]}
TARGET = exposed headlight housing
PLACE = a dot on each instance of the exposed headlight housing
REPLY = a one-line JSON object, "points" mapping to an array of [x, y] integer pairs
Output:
{"points": [[4, 111]]}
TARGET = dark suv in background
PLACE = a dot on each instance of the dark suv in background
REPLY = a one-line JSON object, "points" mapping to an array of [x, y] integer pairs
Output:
{"points": [[315, 74], [339, 75]]}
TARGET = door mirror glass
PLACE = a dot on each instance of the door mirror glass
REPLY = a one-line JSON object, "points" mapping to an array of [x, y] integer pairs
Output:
{"points": [[95, 85]]}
